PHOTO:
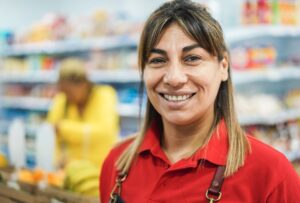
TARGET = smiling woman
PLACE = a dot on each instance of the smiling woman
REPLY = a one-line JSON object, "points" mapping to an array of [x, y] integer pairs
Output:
{"points": [[180, 75], [191, 140]]}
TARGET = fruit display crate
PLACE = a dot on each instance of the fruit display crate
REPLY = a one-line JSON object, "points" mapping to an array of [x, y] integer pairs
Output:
{"points": [[20, 192]]}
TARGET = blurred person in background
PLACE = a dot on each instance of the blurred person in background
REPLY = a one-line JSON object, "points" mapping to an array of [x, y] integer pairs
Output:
{"points": [[84, 115], [191, 140]]}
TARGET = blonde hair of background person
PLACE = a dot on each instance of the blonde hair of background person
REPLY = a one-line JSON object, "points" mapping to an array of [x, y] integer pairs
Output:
{"points": [[85, 115], [179, 41]]}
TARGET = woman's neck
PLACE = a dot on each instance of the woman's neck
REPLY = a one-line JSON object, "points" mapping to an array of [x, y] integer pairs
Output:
{"points": [[180, 142]]}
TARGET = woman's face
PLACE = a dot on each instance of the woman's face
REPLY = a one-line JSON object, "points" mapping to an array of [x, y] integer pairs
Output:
{"points": [[182, 79], [76, 92]]}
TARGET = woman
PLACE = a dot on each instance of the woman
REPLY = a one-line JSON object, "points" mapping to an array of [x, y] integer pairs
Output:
{"points": [[85, 115], [191, 140]]}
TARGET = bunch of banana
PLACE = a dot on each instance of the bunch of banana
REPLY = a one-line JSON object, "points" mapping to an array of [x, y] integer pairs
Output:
{"points": [[82, 177]]}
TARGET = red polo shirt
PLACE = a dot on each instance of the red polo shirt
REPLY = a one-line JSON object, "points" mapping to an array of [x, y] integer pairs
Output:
{"points": [[267, 175]]}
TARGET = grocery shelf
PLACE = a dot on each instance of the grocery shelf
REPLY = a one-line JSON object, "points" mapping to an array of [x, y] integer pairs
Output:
{"points": [[272, 74], [120, 76], [286, 115], [132, 110], [43, 104], [67, 46], [120, 41], [28, 76], [129, 110], [27, 103], [3, 128], [242, 33], [132, 75], [97, 76]]}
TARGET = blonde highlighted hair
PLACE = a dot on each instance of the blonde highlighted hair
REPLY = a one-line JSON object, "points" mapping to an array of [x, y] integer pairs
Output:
{"points": [[196, 21]]}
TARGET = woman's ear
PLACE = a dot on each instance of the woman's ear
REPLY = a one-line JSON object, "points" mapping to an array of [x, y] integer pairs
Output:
{"points": [[224, 65]]}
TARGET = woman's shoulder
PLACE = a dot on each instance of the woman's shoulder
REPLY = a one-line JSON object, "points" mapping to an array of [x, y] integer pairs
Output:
{"points": [[272, 169], [262, 151], [267, 159]]}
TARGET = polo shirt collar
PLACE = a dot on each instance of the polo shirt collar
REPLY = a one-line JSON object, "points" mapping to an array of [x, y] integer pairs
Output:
{"points": [[215, 151]]}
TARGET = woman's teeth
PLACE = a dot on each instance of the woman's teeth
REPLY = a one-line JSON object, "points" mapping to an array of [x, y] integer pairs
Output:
{"points": [[177, 98]]}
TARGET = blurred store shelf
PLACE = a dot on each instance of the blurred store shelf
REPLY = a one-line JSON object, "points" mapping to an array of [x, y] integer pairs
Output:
{"points": [[67, 46], [28, 76], [43, 104], [274, 74], [255, 31], [120, 41], [272, 119], [27, 103], [120, 76], [132, 110], [131, 75], [109, 76]]}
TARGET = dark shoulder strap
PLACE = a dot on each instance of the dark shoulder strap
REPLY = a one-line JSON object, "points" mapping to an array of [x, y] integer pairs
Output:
{"points": [[213, 193], [115, 195]]}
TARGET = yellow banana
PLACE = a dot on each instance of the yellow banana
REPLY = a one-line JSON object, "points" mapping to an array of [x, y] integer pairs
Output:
{"points": [[92, 193], [87, 185], [75, 166], [86, 174]]}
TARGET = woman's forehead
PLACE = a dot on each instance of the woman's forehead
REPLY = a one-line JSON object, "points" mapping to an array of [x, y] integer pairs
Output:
{"points": [[174, 37]]}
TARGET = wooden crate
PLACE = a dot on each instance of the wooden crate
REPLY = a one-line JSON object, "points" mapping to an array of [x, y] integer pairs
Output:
{"points": [[46, 195], [28, 193]]}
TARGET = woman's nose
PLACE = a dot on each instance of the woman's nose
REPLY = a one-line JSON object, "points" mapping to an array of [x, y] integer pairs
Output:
{"points": [[175, 76]]}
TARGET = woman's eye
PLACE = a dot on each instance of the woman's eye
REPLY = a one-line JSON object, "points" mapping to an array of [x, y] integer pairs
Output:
{"points": [[157, 61], [192, 58]]}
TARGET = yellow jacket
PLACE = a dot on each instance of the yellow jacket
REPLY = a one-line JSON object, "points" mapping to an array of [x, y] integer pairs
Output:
{"points": [[92, 135]]}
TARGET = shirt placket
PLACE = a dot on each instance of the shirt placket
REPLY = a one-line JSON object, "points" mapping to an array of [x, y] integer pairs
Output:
{"points": [[161, 186]]}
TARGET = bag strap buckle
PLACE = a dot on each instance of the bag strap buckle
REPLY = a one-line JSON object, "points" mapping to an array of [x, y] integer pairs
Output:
{"points": [[214, 194], [116, 191], [213, 198]]}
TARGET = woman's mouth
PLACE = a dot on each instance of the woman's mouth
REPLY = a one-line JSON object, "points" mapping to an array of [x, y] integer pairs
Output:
{"points": [[176, 98]]}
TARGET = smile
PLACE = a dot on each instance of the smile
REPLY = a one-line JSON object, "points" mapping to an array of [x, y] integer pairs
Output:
{"points": [[177, 98]]}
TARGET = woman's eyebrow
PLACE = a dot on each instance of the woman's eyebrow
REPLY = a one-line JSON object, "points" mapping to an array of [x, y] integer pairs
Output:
{"points": [[190, 47], [158, 51], [184, 49]]}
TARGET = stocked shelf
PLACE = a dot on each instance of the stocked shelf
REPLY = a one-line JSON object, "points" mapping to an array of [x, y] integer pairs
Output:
{"points": [[120, 76], [129, 110], [132, 75], [29, 77], [254, 31], [115, 42], [43, 104], [289, 114], [132, 110], [28, 103], [269, 74], [56, 47]]}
